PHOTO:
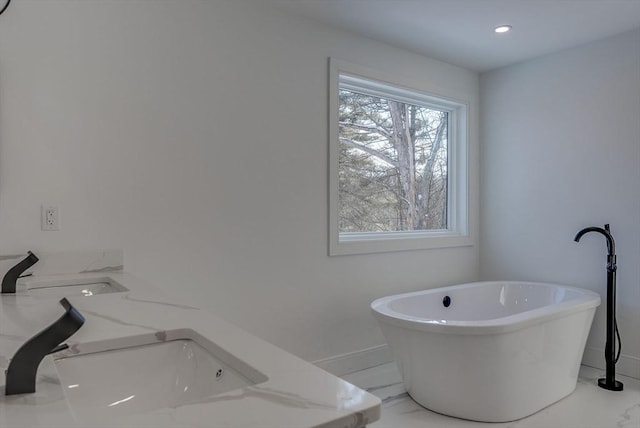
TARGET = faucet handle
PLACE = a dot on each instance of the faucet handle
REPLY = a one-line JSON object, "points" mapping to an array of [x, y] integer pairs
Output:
{"points": [[59, 348]]}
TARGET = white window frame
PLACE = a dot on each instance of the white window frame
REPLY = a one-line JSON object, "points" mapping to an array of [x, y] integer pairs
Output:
{"points": [[362, 79]]}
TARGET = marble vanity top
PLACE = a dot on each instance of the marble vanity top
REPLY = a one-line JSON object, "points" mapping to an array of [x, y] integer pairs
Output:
{"points": [[296, 394]]}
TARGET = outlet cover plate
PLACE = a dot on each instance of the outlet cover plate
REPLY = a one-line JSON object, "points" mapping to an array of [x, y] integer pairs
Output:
{"points": [[50, 218]]}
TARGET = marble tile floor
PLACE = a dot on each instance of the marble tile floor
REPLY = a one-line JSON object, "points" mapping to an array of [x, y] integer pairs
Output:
{"points": [[587, 407]]}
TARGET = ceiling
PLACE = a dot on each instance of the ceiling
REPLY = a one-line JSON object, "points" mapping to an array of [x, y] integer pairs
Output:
{"points": [[460, 32]]}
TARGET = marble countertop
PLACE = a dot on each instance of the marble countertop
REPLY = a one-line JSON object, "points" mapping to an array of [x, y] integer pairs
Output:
{"points": [[296, 394]]}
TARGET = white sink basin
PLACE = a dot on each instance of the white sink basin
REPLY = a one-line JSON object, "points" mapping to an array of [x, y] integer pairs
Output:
{"points": [[144, 377], [75, 288]]}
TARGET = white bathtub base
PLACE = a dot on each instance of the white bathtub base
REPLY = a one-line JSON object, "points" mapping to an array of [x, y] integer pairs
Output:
{"points": [[499, 376]]}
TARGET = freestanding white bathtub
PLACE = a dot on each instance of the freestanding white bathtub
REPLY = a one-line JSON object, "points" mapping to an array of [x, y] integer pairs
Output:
{"points": [[488, 351]]}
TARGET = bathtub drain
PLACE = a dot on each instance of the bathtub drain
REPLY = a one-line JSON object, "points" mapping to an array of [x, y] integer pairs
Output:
{"points": [[446, 301]]}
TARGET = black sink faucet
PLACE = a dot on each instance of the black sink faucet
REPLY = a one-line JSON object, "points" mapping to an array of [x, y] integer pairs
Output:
{"points": [[21, 373], [12, 275]]}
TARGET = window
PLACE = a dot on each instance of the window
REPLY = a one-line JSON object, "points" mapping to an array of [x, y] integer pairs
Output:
{"points": [[397, 165]]}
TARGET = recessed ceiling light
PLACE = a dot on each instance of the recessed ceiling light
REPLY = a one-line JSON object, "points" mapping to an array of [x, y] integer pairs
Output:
{"points": [[502, 29]]}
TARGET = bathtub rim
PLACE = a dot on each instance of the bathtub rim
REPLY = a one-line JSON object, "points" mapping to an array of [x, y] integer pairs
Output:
{"points": [[383, 313]]}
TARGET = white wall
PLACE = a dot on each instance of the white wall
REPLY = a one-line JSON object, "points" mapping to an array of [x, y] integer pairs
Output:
{"points": [[561, 151], [193, 134]]}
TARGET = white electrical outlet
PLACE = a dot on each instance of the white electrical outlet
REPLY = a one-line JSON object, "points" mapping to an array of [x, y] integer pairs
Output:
{"points": [[50, 217]]}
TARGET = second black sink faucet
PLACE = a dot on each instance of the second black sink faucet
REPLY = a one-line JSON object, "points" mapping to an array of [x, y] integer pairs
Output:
{"points": [[11, 277]]}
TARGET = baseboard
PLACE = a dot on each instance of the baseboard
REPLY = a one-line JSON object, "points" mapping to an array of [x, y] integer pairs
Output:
{"points": [[627, 365], [341, 365]]}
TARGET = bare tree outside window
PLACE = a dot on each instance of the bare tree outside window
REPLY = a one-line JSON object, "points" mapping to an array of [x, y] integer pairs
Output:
{"points": [[392, 165]]}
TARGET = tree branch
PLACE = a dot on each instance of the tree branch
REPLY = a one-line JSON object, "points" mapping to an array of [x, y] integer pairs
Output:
{"points": [[370, 151], [378, 129], [427, 172]]}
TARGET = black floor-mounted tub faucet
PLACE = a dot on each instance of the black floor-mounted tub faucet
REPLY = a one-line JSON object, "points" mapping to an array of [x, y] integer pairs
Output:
{"points": [[609, 381]]}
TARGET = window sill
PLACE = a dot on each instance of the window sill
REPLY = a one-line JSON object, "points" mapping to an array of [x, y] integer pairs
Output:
{"points": [[362, 243]]}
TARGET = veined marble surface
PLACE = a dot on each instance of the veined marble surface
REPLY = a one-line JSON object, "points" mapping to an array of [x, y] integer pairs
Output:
{"points": [[589, 406], [296, 394], [67, 262], [78, 262]]}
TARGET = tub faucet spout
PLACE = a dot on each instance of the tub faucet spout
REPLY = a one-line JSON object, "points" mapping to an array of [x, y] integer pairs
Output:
{"points": [[611, 246]]}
